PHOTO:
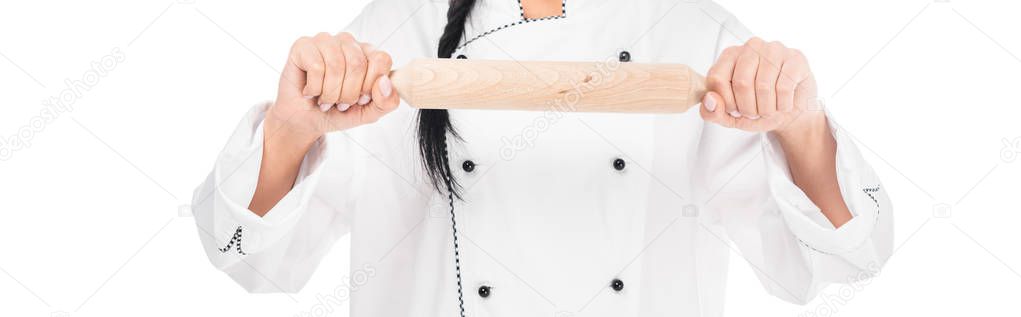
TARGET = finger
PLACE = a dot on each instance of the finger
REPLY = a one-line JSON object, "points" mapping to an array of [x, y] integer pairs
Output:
{"points": [[333, 58], [718, 115], [293, 77], [712, 110], [380, 64], [384, 101], [719, 78], [805, 97], [354, 73], [744, 84], [766, 78], [762, 124], [307, 58], [786, 83]]}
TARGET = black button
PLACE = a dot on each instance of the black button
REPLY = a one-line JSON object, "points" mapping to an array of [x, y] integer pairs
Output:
{"points": [[462, 56], [618, 164], [625, 56], [468, 166], [484, 291], [617, 285]]}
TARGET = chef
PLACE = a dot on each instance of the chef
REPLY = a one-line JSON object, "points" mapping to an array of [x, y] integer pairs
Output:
{"points": [[555, 213]]}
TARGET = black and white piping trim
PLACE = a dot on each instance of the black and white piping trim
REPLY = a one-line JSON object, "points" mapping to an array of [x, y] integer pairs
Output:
{"points": [[235, 240], [453, 224], [869, 191], [563, 14]]}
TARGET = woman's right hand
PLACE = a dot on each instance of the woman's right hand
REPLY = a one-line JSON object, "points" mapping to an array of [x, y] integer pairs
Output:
{"points": [[331, 83]]}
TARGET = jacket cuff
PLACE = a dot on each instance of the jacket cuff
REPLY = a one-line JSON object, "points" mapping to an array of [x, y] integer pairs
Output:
{"points": [[858, 186]]}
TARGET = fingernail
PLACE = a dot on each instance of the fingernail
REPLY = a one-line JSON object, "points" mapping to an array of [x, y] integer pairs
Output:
{"points": [[753, 117], [735, 114], [309, 97], [364, 99], [385, 87], [325, 107], [343, 107], [709, 103]]}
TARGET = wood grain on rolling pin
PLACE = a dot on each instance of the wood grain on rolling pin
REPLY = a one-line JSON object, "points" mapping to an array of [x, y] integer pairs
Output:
{"points": [[561, 86]]}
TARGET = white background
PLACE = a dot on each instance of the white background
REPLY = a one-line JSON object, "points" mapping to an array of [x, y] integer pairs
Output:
{"points": [[89, 213]]}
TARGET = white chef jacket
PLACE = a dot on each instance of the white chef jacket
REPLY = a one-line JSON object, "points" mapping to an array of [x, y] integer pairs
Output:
{"points": [[555, 205]]}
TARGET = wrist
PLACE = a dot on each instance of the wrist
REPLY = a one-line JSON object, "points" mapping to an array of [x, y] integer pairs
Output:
{"points": [[808, 144], [806, 129], [281, 142]]}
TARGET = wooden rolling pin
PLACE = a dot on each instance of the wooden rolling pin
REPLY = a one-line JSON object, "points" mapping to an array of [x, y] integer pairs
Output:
{"points": [[540, 86]]}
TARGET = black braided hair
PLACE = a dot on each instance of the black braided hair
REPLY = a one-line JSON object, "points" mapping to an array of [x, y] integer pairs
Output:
{"points": [[433, 124]]}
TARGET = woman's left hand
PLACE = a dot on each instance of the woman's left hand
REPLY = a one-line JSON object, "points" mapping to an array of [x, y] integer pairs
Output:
{"points": [[760, 87]]}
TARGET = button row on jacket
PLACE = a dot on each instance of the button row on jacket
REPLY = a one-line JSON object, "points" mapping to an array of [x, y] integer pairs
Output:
{"points": [[617, 285], [469, 166]]}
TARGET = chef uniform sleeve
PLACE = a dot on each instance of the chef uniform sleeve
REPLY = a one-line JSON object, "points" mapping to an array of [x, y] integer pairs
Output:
{"points": [[279, 251], [794, 250]]}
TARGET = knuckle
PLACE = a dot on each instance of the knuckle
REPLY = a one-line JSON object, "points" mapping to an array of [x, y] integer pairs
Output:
{"points": [[345, 36], [731, 51], [332, 60], [301, 42], [331, 63], [764, 87], [787, 74], [717, 80], [750, 54], [322, 36], [755, 41], [356, 64], [776, 53], [797, 54], [329, 48], [382, 59], [742, 84], [316, 67]]}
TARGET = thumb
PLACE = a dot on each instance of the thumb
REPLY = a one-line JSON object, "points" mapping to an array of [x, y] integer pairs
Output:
{"points": [[384, 100], [714, 110]]}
